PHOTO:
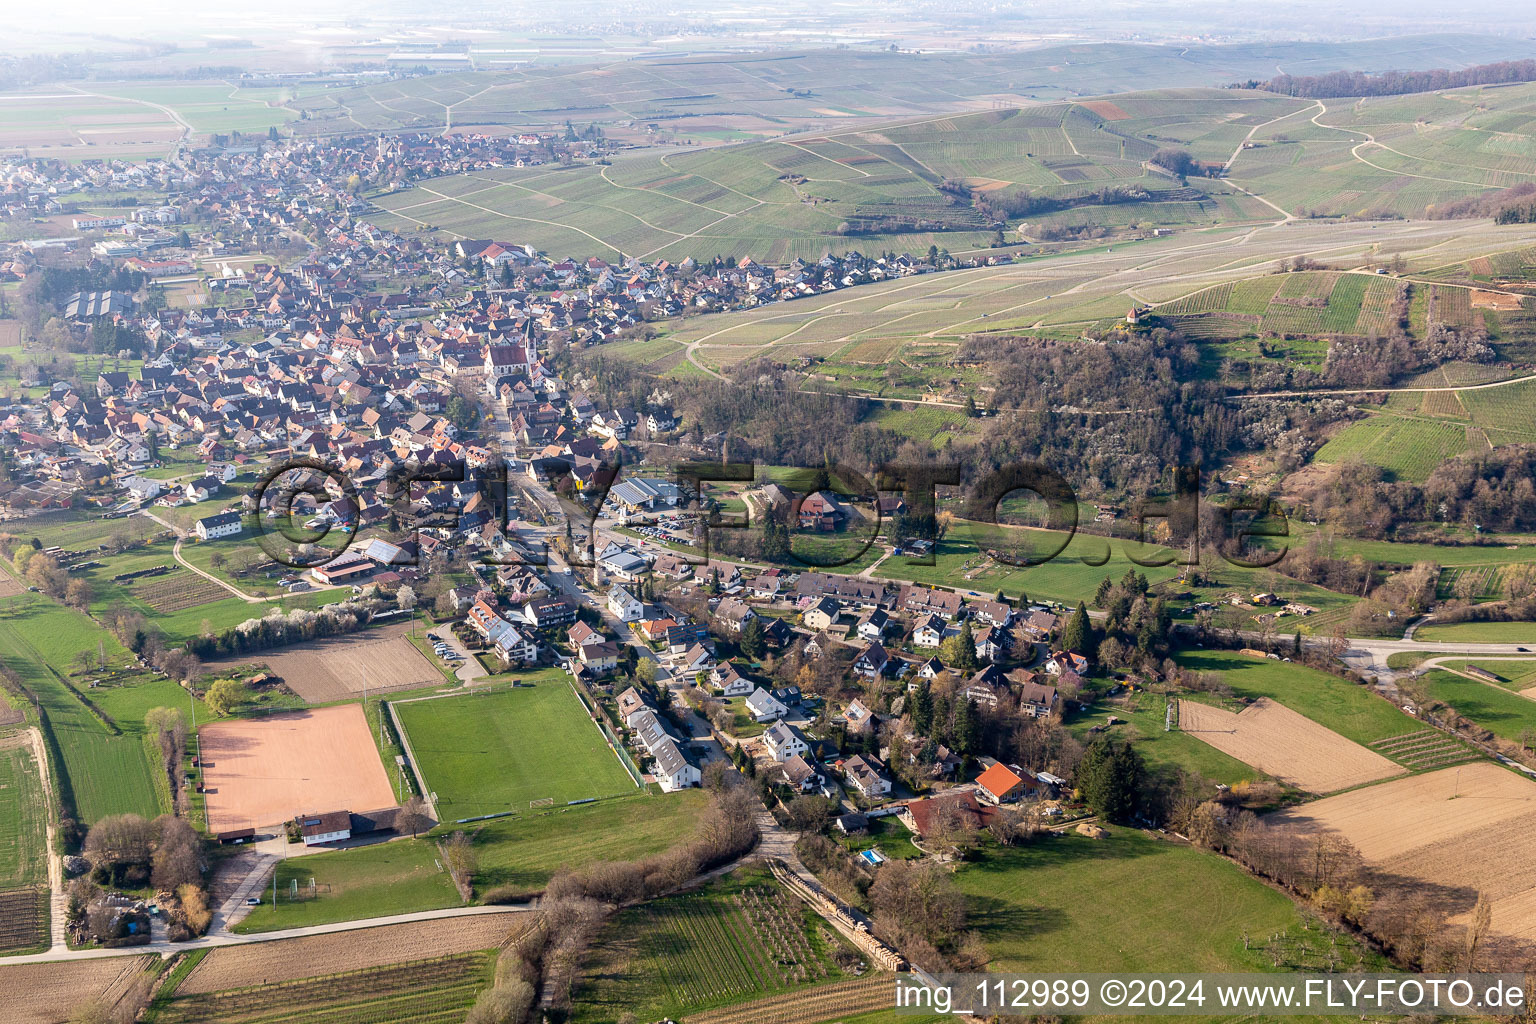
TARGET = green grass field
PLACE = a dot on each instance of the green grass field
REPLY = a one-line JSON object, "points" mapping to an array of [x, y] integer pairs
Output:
{"points": [[1478, 633], [106, 773], [1513, 675], [523, 852], [482, 754], [1068, 578], [1349, 709], [740, 938], [1130, 902], [1143, 717], [23, 816], [399, 877], [1503, 713]]}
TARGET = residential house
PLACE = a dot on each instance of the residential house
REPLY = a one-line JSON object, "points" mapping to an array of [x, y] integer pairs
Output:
{"points": [[225, 524], [866, 773], [729, 681], [764, 707], [625, 606], [784, 741]]}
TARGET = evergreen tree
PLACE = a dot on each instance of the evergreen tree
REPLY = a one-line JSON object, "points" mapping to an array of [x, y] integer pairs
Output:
{"points": [[751, 643], [960, 651], [964, 738], [1078, 632], [1110, 777], [922, 708], [1102, 595], [1296, 643]]}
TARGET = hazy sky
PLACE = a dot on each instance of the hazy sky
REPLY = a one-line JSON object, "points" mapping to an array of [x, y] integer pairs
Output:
{"points": [[66, 23]]}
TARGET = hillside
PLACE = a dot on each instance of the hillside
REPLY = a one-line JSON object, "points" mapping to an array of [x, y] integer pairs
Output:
{"points": [[1048, 171]]}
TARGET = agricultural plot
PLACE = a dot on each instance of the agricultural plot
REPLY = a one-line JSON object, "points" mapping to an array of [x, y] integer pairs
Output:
{"points": [[336, 668], [847, 1001], [431, 991], [47, 993], [1286, 745], [1183, 909], [287, 960], [1409, 449], [1458, 832], [1478, 632], [849, 189], [178, 590], [1426, 750], [23, 815], [1505, 714], [1345, 708], [105, 767], [23, 919], [738, 939], [264, 771], [492, 752]]}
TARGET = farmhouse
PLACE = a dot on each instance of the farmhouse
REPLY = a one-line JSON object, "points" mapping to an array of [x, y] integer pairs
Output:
{"points": [[225, 524]]}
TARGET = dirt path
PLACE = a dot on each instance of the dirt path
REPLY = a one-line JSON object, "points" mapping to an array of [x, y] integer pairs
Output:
{"points": [[57, 901], [242, 595]]}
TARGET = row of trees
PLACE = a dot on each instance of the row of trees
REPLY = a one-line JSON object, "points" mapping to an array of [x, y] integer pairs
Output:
{"points": [[1395, 83]]}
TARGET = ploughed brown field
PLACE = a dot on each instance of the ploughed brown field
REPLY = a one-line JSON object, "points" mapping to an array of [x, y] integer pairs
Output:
{"points": [[262, 963], [1463, 830], [264, 771], [336, 668], [1287, 745], [49, 993]]}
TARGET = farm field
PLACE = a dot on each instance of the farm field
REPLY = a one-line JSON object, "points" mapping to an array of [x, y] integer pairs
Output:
{"points": [[1477, 633], [1286, 745], [1069, 577], [266, 963], [787, 198], [427, 991], [47, 993], [1505, 714], [24, 920], [866, 1000], [1182, 909], [1409, 449], [1350, 710], [402, 876], [263, 771], [521, 853], [377, 660], [1461, 831], [1514, 672], [23, 815], [106, 770], [1013, 297], [491, 752], [741, 937]]}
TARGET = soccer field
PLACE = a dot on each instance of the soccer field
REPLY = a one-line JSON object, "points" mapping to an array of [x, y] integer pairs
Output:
{"points": [[484, 753]]}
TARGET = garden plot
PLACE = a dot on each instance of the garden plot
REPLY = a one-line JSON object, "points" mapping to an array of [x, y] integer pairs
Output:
{"points": [[1289, 746]]}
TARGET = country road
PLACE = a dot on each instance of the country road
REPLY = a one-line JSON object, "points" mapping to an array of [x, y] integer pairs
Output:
{"points": [[181, 535]]}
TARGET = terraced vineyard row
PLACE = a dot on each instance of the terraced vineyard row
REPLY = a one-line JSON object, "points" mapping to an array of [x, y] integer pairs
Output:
{"points": [[1425, 750]]}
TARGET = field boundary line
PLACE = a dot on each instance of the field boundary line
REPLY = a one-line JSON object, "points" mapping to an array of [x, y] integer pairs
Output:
{"points": [[410, 757]]}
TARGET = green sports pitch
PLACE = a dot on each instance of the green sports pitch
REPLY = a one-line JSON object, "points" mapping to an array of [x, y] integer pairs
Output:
{"points": [[488, 753]]}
